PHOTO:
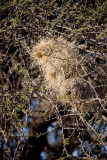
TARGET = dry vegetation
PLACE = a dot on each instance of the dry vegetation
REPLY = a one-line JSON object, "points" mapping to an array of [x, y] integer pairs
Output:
{"points": [[70, 76]]}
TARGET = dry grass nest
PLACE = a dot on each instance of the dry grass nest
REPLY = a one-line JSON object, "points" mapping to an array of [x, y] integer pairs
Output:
{"points": [[70, 77]]}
